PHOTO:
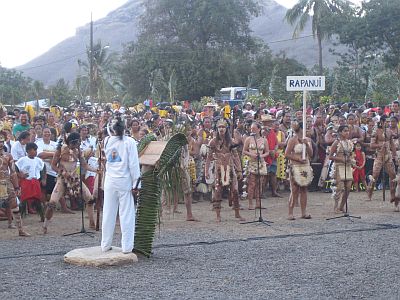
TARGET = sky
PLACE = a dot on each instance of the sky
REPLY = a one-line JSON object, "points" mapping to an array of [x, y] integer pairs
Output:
{"points": [[28, 28]]}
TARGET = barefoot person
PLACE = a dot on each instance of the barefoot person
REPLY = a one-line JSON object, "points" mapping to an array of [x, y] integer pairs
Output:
{"points": [[46, 150], [227, 168], [121, 177], [382, 142], [68, 181], [9, 186], [256, 147], [342, 172], [301, 171], [31, 173]]}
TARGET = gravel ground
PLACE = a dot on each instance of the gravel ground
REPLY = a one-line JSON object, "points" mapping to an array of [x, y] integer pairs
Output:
{"points": [[302, 259]]}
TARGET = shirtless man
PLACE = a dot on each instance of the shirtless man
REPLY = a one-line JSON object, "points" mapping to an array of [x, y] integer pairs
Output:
{"points": [[9, 186], [382, 142], [65, 164]]}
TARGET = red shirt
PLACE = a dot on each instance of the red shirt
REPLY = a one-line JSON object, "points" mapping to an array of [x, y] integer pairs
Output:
{"points": [[272, 143]]}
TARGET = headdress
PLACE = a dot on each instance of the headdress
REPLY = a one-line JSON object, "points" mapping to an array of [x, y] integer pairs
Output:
{"points": [[222, 122]]}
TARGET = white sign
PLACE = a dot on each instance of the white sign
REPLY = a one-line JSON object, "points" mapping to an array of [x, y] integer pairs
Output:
{"points": [[305, 83]]}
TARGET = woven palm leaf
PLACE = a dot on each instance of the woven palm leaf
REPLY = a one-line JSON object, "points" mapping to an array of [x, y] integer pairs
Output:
{"points": [[145, 141], [164, 176], [147, 213], [169, 169]]}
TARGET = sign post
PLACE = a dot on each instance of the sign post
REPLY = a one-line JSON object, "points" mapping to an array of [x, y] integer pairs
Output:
{"points": [[305, 84]]}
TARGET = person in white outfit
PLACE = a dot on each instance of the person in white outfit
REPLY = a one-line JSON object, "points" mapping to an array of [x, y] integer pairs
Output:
{"points": [[121, 178]]}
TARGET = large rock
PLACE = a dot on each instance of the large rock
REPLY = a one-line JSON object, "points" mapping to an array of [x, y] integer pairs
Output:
{"points": [[93, 256]]}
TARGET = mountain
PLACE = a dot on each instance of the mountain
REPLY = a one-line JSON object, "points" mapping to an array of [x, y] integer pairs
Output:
{"points": [[121, 26]]}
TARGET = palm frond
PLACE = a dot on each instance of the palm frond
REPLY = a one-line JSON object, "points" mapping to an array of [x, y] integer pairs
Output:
{"points": [[147, 213], [165, 176], [145, 141]]}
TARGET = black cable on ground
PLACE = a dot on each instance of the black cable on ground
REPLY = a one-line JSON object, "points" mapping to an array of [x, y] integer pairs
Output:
{"points": [[250, 239]]}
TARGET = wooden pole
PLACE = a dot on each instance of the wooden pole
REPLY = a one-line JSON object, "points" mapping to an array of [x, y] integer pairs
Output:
{"points": [[304, 121]]}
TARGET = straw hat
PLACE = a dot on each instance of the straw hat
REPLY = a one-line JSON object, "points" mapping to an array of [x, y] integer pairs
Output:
{"points": [[267, 118]]}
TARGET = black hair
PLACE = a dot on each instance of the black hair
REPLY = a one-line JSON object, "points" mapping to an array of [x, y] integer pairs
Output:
{"points": [[67, 127], [23, 112], [351, 115], [134, 120], [227, 138], [258, 126], [23, 135], [73, 138], [119, 128], [53, 133], [30, 146], [342, 127]]}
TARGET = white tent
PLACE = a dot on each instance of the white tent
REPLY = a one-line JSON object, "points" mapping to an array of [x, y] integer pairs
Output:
{"points": [[43, 103]]}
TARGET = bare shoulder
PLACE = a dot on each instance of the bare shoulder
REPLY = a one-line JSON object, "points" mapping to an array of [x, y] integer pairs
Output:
{"points": [[212, 143], [8, 156]]}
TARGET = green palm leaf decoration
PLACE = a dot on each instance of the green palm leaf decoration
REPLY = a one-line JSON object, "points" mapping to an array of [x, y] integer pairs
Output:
{"points": [[165, 176], [145, 141]]}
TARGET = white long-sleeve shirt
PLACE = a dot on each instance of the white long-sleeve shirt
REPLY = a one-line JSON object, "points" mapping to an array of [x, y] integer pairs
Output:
{"points": [[122, 161]]}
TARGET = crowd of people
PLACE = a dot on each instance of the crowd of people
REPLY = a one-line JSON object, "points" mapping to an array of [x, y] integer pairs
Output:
{"points": [[240, 153]]}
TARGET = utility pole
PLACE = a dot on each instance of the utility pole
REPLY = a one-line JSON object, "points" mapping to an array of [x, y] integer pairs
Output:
{"points": [[91, 61]]}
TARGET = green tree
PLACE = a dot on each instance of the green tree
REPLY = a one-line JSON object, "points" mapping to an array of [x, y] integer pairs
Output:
{"points": [[383, 30], [60, 93], [301, 12], [206, 44], [283, 67], [263, 66], [104, 73], [14, 87], [39, 92], [200, 24]]}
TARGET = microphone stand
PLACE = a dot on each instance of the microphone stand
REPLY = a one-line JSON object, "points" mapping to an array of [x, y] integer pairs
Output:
{"points": [[83, 230], [260, 218], [383, 179], [99, 199], [346, 212]]}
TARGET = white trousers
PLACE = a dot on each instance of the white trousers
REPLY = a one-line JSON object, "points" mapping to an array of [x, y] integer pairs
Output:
{"points": [[116, 196]]}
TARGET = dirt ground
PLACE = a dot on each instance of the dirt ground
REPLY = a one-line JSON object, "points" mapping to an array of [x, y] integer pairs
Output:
{"points": [[320, 206]]}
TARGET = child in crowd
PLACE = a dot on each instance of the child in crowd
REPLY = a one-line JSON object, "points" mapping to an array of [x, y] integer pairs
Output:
{"points": [[359, 168], [30, 170], [92, 162]]}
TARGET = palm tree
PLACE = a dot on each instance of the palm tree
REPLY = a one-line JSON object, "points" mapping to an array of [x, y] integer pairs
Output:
{"points": [[103, 72], [320, 10]]}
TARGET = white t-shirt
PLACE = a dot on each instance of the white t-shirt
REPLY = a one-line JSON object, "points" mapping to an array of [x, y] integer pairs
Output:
{"points": [[122, 160], [51, 147], [89, 142], [18, 150], [30, 166], [92, 162], [9, 146]]}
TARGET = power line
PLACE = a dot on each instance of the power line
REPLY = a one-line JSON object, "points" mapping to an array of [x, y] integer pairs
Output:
{"points": [[53, 62], [161, 52]]}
